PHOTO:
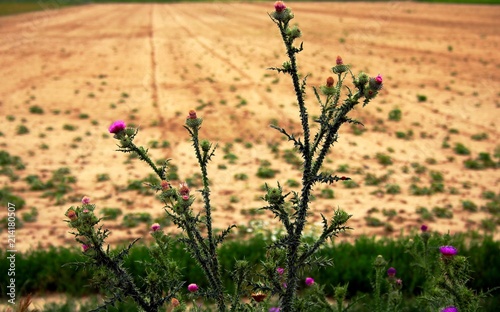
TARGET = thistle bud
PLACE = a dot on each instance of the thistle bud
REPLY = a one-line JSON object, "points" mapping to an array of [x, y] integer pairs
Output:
{"points": [[376, 83], [340, 67], [273, 195], [294, 32], [85, 200], [281, 12], [205, 145], [175, 302], [339, 60], [192, 121]]}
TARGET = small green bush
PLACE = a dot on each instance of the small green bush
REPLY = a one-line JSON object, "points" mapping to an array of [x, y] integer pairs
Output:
{"points": [[35, 109], [395, 114]]}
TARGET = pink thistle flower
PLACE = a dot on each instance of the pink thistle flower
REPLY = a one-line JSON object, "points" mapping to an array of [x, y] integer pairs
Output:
{"points": [[184, 189], [155, 227], [192, 115], [85, 247], [399, 282], [280, 271], [85, 211], [448, 251], [185, 197], [279, 6], [423, 228], [309, 281], [378, 79], [117, 126], [192, 288], [339, 60], [85, 200], [391, 272]]}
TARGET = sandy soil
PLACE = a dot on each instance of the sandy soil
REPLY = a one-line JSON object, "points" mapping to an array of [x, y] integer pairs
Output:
{"points": [[150, 64]]}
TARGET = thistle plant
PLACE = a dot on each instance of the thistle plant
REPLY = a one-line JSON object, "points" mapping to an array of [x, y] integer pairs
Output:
{"points": [[288, 257]]}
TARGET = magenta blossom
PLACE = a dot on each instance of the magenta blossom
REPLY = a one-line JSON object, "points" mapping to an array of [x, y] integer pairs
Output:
{"points": [[85, 247], [450, 309], [279, 6], [423, 228], [378, 79], [117, 126], [274, 309], [309, 281], [391, 271], [192, 288], [155, 227], [280, 271], [85, 200], [448, 251]]}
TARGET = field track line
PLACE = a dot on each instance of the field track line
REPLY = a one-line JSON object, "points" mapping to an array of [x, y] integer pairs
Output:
{"points": [[154, 66]]}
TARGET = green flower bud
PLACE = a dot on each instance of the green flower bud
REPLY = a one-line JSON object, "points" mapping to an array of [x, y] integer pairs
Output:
{"points": [[294, 32], [287, 66], [274, 195], [205, 145], [379, 262]]}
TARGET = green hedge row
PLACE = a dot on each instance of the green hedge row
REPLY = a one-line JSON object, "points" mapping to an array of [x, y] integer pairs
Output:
{"points": [[45, 271]]}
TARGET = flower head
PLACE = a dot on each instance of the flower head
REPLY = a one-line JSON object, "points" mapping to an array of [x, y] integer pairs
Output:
{"points": [[71, 214], [448, 251], [175, 302], [391, 272], [450, 309], [279, 6], [192, 115], [378, 79], [329, 82], [164, 185], [192, 288], [274, 309], [280, 271], [423, 228], [155, 227], [184, 189], [117, 126], [85, 247], [85, 200], [309, 281], [339, 60]]}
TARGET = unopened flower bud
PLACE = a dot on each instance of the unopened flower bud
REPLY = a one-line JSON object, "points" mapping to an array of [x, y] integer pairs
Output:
{"points": [[259, 297], [192, 120], [379, 262], [192, 115], [205, 145], [309, 281], [376, 83], [85, 200], [294, 32], [339, 60], [274, 195], [85, 247]]}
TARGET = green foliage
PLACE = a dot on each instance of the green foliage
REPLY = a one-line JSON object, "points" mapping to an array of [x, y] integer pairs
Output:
{"points": [[111, 213], [421, 98], [22, 129], [134, 219], [6, 196], [383, 159], [35, 109], [265, 172], [460, 149], [469, 205], [395, 114]]}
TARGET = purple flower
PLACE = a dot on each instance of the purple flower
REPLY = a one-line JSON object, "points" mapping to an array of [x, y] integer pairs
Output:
{"points": [[378, 79], [450, 309], [193, 288], [117, 126], [274, 309], [279, 6], [280, 271], [391, 271], [85, 247], [423, 228], [339, 61], [309, 281], [448, 251], [155, 227], [85, 200]]}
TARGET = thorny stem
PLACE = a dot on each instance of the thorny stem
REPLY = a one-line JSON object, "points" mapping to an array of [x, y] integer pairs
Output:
{"points": [[212, 259], [294, 236]]}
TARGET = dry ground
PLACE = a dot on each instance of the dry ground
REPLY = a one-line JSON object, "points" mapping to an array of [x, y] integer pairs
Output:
{"points": [[149, 64]]}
